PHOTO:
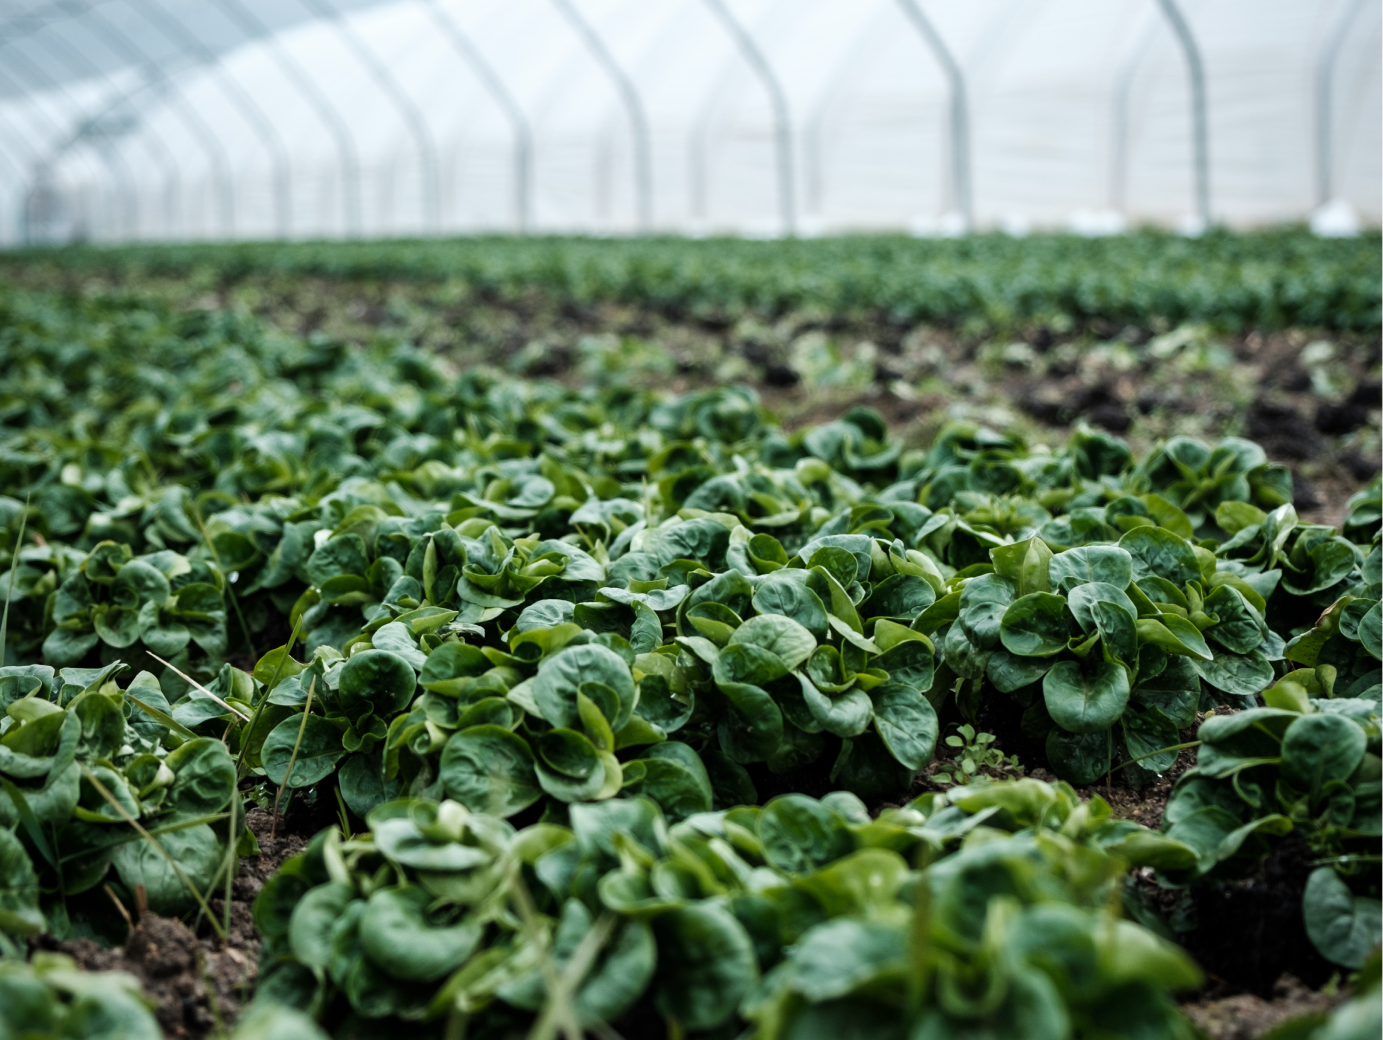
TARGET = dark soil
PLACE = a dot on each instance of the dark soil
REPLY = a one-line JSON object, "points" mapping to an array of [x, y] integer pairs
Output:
{"points": [[198, 984], [1249, 1017], [1249, 931]]}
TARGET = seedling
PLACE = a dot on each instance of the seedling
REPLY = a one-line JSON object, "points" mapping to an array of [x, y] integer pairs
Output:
{"points": [[976, 758]]}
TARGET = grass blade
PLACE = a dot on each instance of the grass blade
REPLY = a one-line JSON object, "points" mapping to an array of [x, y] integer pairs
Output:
{"points": [[9, 593], [159, 716], [293, 758], [187, 678], [120, 809], [264, 698]]}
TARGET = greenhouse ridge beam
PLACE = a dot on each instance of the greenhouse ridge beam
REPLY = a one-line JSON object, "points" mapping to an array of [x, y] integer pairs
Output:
{"points": [[643, 160], [523, 134], [1200, 130], [254, 114], [238, 12], [782, 123], [408, 108], [1325, 84], [960, 112]]}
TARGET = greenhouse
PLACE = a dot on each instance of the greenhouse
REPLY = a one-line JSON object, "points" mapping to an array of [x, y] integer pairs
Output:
{"points": [[124, 120], [691, 520]]}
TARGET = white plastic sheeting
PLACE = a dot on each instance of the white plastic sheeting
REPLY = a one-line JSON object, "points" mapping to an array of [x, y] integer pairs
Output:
{"points": [[757, 117]]}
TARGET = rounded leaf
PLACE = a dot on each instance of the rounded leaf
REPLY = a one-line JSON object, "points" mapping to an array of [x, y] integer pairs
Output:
{"points": [[382, 678], [706, 965], [489, 770], [560, 677], [203, 776], [309, 929], [398, 934], [1319, 748], [1035, 625], [318, 749], [799, 834], [1082, 702], [789, 640]]}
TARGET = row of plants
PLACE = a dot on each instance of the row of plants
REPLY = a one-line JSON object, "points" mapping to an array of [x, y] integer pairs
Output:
{"points": [[242, 565], [1265, 279], [799, 918]]}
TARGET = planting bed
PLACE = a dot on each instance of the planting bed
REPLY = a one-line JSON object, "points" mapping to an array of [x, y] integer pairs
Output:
{"points": [[398, 650]]}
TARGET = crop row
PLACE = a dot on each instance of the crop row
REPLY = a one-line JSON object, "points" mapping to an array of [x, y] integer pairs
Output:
{"points": [[1265, 279], [549, 646]]}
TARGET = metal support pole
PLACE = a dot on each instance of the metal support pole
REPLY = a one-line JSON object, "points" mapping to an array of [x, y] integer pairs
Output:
{"points": [[412, 115], [210, 142], [1123, 91], [254, 115], [494, 85], [643, 163], [118, 172], [249, 23], [156, 142], [782, 123], [1200, 131], [1325, 88], [117, 169], [960, 113]]}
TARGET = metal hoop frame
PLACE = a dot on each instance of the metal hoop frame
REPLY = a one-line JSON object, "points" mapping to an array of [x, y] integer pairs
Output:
{"points": [[633, 105], [259, 122], [1325, 90], [960, 112], [495, 87], [1200, 129], [782, 122]]}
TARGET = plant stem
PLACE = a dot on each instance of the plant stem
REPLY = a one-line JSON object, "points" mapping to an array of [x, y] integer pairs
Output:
{"points": [[1159, 751], [293, 758], [264, 698]]}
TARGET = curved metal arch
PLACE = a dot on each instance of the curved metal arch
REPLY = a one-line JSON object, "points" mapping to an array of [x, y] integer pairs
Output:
{"points": [[495, 87], [960, 112], [813, 168], [1200, 130], [249, 23], [1324, 89], [117, 170], [115, 164], [191, 118], [782, 121], [255, 115], [1123, 92], [412, 114], [157, 144], [624, 86], [25, 189]]}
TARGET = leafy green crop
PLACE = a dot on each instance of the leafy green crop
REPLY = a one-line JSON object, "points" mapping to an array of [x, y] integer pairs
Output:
{"points": [[797, 917], [1309, 762], [51, 997], [83, 767], [510, 593], [555, 642], [1266, 278]]}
